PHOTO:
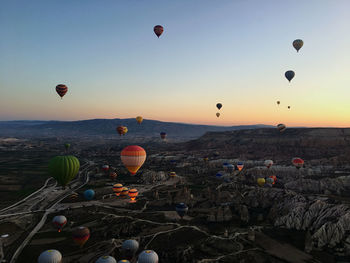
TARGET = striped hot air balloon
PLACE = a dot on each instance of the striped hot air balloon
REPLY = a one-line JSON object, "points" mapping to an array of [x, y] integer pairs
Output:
{"points": [[61, 89], [64, 168], [281, 127], [124, 192], [117, 189], [172, 174], [133, 157], [298, 162], [59, 222], [133, 193], [81, 235]]}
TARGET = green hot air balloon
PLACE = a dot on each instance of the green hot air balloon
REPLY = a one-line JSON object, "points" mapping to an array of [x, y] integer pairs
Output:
{"points": [[64, 168], [67, 146]]}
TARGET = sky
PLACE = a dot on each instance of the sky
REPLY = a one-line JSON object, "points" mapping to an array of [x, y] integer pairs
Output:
{"points": [[230, 51]]}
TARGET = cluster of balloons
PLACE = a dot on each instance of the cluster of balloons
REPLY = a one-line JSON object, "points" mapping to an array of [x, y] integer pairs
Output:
{"points": [[219, 106], [120, 190]]}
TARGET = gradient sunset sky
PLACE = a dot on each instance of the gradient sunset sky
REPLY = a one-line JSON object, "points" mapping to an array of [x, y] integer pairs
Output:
{"points": [[229, 51]]}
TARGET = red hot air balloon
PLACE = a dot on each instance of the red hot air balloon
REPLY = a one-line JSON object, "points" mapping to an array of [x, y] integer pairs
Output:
{"points": [[158, 30], [133, 158], [61, 89], [81, 235], [274, 178], [298, 162], [122, 130]]}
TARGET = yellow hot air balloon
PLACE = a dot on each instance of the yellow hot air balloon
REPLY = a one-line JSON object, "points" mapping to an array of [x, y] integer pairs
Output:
{"points": [[261, 181], [133, 158], [139, 119], [172, 174]]}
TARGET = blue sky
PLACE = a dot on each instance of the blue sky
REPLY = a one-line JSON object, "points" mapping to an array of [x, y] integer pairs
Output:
{"points": [[234, 52]]}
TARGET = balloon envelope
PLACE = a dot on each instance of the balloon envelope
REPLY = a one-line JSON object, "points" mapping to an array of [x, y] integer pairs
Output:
{"points": [[64, 168], [81, 235], [139, 119], [219, 106], [148, 256], [61, 89], [281, 127], [158, 30], [218, 114], [133, 158], [261, 181], [268, 163], [181, 209], [289, 75], [298, 44], [89, 194], [59, 222], [298, 162], [106, 259], [50, 256]]}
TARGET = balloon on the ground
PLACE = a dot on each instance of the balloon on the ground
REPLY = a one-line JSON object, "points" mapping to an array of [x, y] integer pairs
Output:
{"points": [[158, 30], [148, 256], [133, 158], [81, 234], [289, 75], [59, 222], [172, 174], [64, 168], [298, 44], [89, 194], [50, 256], [61, 89]]}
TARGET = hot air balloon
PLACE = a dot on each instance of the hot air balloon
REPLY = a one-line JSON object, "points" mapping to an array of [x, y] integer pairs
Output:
{"points": [[113, 175], [105, 167], [172, 174], [61, 89], [278, 102], [73, 196], [50, 256], [274, 178], [67, 146], [205, 159], [158, 30], [181, 209], [298, 162], [230, 168], [281, 127], [219, 106], [288, 107], [59, 222], [219, 175], [123, 261], [261, 181], [122, 130], [106, 259], [139, 119], [163, 135], [133, 158], [81, 235], [297, 44], [148, 256], [124, 192], [289, 75], [64, 168], [268, 163], [240, 166], [133, 193], [129, 248], [218, 114], [269, 181], [89, 194], [117, 189]]}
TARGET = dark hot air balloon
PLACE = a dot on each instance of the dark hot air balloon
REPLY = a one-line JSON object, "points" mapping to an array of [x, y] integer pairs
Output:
{"points": [[289, 75], [219, 106], [81, 235], [298, 44], [181, 209], [158, 30], [61, 89]]}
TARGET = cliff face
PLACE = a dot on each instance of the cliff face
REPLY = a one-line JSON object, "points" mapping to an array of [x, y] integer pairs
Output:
{"points": [[323, 144]]}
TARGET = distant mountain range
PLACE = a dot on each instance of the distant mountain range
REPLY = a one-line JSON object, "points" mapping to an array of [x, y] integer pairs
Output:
{"points": [[107, 127]]}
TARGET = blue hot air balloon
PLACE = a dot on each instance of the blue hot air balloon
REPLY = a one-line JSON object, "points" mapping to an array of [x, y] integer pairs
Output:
{"points": [[89, 194], [181, 209]]}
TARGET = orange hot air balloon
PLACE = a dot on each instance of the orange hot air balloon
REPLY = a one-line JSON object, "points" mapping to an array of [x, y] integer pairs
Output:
{"points": [[124, 192], [172, 174], [133, 193], [81, 235], [139, 119], [117, 189], [61, 89], [158, 30], [133, 157], [298, 162]]}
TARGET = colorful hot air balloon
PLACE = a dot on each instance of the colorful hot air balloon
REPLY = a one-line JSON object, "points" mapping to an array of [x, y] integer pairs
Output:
{"points": [[278, 102], [261, 181], [181, 209], [219, 106], [129, 248], [240, 166], [163, 135], [122, 130], [281, 127], [148, 256], [106, 259], [158, 30], [289, 75], [123, 261], [105, 167], [133, 193], [139, 119], [59, 222], [81, 235], [64, 168], [269, 181], [268, 163], [117, 189], [297, 44], [133, 158], [218, 114], [298, 162], [274, 178], [89, 194], [172, 174], [124, 192], [61, 89], [50, 256]]}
